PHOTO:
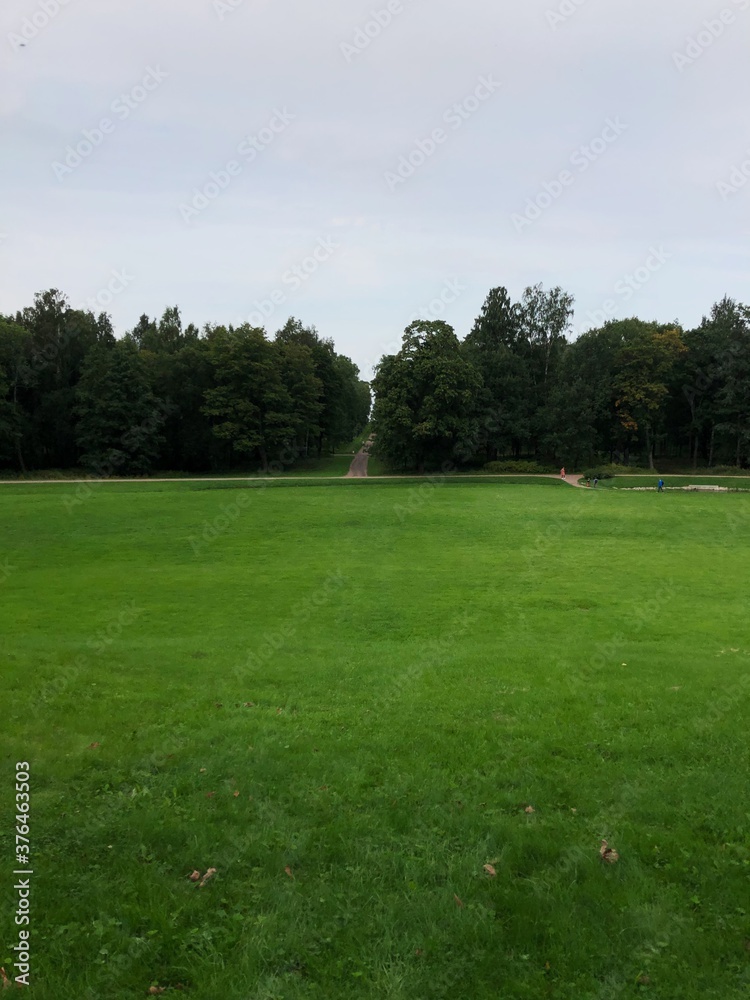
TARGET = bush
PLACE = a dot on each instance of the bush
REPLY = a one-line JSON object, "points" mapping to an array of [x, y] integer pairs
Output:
{"points": [[520, 468], [722, 470], [609, 471]]}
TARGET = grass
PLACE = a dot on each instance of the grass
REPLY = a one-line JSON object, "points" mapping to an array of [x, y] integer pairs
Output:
{"points": [[628, 482], [423, 665]]}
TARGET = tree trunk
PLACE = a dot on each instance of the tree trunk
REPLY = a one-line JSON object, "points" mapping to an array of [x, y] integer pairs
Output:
{"points": [[695, 452], [711, 448], [649, 448]]}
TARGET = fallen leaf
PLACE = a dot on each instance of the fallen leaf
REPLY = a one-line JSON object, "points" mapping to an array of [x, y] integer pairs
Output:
{"points": [[195, 876], [530, 809], [279, 711], [574, 810], [676, 688], [94, 746], [219, 704], [643, 980], [323, 788], [6, 981], [490, 871], [209, 875], [458, 901], [418, 952], [608, 853], [156, 990], [210, 795], [236, 795], [249, 704], [288, 870], [203, 770]]}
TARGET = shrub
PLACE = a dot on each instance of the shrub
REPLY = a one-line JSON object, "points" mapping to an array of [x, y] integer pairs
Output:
{"points": [[519, 467], [609, 471]]}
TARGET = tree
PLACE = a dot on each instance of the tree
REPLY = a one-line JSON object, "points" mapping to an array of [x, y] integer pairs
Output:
{"points": [[425, 400], [120, 419], [734, 372], [15, 377], [497, 349], [644, 367], [251, 406]]}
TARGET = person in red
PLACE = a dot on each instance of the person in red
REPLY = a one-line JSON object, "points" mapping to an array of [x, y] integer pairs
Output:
{"points": [[562, 473]]}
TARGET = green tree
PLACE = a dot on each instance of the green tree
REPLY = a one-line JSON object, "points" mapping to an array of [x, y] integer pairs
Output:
{"points": [[120, 419], [15, 377], [425, 400], [252, 407], [499, 352], [645, 365]]}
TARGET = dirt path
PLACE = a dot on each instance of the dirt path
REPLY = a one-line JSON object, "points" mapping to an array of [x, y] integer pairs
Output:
{"points": [[572, 479], [358, 468]]}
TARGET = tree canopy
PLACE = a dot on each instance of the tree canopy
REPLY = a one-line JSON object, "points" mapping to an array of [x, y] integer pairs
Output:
{"points": [[168, 396]]}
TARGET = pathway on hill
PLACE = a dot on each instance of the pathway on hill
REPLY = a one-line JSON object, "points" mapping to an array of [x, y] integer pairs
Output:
{"points": [[358, 468]]}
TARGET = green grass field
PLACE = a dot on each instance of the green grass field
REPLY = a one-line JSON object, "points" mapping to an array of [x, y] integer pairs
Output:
{"points": [[347, 699]]}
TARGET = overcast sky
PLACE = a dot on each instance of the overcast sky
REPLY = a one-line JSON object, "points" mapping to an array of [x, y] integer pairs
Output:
{"points": [[566, 143]]}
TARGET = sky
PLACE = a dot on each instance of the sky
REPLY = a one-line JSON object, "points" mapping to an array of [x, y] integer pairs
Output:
{"points": [[360, 165]]}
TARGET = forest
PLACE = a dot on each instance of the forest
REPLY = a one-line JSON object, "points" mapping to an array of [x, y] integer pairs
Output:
{"points": [[629, 392], [168, 397]]}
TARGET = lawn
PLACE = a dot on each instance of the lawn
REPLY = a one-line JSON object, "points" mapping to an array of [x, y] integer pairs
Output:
{"points": [[348, 700], [628, 482]]}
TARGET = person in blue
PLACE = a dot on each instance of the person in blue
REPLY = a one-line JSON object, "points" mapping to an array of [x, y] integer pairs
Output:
{"points": [[660, 485]]}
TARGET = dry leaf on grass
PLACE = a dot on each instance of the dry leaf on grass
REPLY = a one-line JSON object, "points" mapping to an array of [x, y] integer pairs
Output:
{"points": [[248, 704], [210, 795], [236, 795], [195, 876], [288, 870], [490, 871], [458, 901], [203, 770], [156, 990], [209, 875], [94, 746], [6, 981], [608, 853], [530, 809]]}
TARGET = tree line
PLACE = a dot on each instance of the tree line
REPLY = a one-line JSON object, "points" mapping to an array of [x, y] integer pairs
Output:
{"points": [[629, 391], [167, 396]]}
